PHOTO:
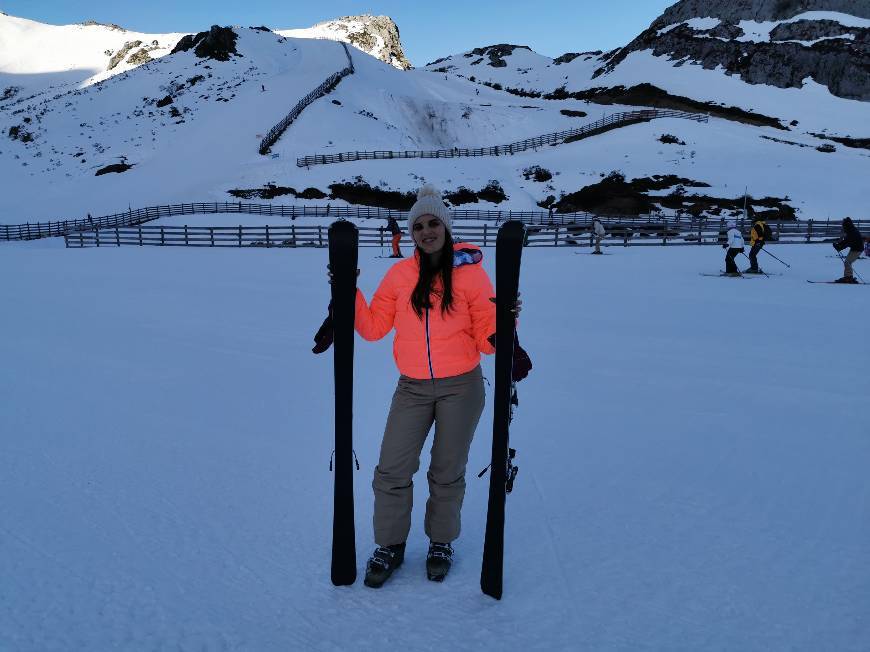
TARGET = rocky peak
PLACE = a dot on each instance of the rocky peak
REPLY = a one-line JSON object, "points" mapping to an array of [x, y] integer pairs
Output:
{"points": [[709, 33], [759, 10], [376, 35], [495, 53]]}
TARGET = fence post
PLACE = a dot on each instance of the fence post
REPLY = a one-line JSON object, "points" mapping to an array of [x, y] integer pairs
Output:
{"points": [[162, 236], [240, 235], [809, 230], [320, 235], [556, 240], [268, 243], [117, 237], [293, 235], [97, 234], [140, 235], [665, 232], [484, 233], [211, 234]]}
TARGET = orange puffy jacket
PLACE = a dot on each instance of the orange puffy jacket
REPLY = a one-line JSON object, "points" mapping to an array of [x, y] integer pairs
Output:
{"points": [[438, 345]]}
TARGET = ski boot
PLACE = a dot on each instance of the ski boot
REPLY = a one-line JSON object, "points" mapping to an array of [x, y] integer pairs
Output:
{"points": [[382, 563], [438, 561], [598, 252], [752, 270], [847, 279], [731, 274]]}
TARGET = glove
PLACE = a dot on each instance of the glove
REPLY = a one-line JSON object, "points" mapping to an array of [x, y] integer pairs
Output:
{"points": [[521, 364], [324, 334]]}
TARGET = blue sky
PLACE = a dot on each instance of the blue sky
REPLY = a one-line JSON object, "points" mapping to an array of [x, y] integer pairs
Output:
{"points": [[429, 30]]}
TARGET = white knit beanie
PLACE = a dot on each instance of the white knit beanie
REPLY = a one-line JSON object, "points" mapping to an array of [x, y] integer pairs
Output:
{"points": [[429, 202]]}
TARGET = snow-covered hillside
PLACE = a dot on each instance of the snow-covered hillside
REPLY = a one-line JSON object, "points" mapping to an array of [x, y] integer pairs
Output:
{"points": [[189, 128]]}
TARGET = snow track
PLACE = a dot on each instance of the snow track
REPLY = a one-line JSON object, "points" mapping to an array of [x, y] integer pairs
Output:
{"points": [[693, 456]]}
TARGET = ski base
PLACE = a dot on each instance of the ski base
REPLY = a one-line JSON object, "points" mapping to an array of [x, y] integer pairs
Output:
{"points": [[835, 283]]}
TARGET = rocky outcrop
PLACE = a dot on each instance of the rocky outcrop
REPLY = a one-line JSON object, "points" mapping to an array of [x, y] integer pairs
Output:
{"points": [[118, 57], [496, 53], [793, 52], [734, 11], [376, 35], [218, 43]]}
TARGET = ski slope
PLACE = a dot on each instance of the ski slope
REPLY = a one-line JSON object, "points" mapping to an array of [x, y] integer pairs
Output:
{"points": [[693, 459], [204, 143]]}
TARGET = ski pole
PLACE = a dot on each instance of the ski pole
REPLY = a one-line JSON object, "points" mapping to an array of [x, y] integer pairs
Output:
{"points": [[782, 261], [743, 253]]}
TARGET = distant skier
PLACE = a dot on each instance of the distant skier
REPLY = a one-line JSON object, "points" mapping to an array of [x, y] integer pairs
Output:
{"points": [[393, 226], [735, 245], [439, 302], [263, 88], [598, 233], [760, 234], [852, 241]]}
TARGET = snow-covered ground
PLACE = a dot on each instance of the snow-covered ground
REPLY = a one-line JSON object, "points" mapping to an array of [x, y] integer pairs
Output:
{"points": [[693, 457]]}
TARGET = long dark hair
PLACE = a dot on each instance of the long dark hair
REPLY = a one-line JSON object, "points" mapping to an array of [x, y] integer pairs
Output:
{"points": [[421, 296]]}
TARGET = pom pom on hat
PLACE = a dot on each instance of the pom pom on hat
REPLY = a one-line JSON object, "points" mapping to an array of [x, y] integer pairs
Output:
{"points": [[429, 202]]}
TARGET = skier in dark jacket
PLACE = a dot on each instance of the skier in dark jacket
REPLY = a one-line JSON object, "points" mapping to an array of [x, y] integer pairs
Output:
{"points": [[852, 241], [393, 226], [757, 240]]}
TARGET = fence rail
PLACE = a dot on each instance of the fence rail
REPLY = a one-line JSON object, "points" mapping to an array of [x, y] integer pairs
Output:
{"points": [[613, 121], [139, 216], [620, 233], [328, 84]]}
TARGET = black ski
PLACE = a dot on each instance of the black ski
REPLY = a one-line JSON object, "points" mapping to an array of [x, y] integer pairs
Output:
{"points": [[724, 275], [343, 241], [508, 253], [835, 283]]}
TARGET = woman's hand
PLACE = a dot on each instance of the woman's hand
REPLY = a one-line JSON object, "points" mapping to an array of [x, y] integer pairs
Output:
{"points": [[517, 307]]}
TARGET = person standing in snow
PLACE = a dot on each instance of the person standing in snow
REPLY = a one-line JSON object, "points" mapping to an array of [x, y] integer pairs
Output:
{"points": [[440, 303], [735, 245], [852, 241], [396, 232], [599, 233], [757, 239]]}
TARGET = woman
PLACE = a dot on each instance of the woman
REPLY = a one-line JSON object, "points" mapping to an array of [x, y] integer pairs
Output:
{"points": [[440, 303]]}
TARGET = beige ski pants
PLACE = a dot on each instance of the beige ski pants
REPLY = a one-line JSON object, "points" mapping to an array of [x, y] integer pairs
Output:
{"points": [[454, 404]]}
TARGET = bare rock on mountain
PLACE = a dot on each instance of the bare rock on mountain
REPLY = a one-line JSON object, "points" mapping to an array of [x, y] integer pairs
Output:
{"points": [[218, 43], [761, 10], [119, 56], [792, 53], [496, 53], [376, 35]]}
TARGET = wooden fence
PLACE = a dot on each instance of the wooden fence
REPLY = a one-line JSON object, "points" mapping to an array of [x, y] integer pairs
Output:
{"points": [[324, 88], [810, 230], [620, 233], [132, 217], [612, 121]]}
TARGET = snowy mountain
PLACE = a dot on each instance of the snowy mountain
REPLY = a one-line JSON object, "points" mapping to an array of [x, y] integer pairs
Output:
{"points": [[185, 125]]}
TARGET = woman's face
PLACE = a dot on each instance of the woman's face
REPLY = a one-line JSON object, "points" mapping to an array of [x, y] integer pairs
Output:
{"points": [[429, 234]]}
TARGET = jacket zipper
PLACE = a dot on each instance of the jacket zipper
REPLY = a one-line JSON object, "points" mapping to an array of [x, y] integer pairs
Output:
{"points": [[428, 347]]}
